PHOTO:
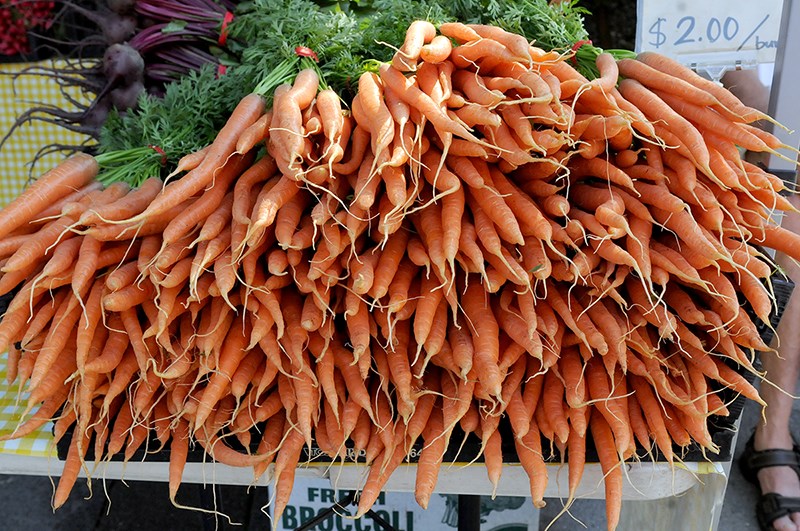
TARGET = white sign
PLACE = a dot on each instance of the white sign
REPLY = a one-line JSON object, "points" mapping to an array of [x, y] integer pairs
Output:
{"points": [[311, 496], [710, 32]]}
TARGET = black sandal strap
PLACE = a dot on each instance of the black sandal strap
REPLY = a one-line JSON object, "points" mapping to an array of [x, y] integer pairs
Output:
{"points": [[752, 460], [772, 457], [772, 506]]}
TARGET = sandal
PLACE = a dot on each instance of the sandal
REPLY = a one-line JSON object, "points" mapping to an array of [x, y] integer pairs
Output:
{"points": [[771, 505]]}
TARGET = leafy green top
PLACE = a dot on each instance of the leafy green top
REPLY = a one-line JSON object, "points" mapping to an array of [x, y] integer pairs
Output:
{"points": [[149, 140], [348, 38]]}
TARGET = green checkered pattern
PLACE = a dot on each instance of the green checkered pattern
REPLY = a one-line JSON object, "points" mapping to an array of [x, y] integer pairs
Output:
{"points": [[37, 443]]}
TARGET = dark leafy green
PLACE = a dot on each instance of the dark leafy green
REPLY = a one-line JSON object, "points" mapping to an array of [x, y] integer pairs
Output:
{"points": [[186, 118]]}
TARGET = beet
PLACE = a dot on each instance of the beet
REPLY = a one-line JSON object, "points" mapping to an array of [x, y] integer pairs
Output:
{"points": [[126, 97], [121, 7], [122, 65], [116, 27], [119, 28], [95, 117]]}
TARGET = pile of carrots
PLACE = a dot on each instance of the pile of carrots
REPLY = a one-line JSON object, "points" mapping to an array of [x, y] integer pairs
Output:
{"points": [[481, 233]]}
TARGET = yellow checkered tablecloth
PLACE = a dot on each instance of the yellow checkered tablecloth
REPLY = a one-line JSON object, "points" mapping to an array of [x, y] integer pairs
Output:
{"points": [[17, 95], [37, 443]]}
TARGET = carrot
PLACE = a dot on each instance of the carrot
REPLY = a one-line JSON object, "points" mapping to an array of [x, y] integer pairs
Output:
{"points": [[429, 300], [231, 355], [178, 455], [780, 239], [219, 451], [418, 34], [286, 128], [735, 381], [334, 123], [128, 297], [388, 264], [611, 465], [638, 423], [113, 350], [216, 222], [86, 265], [622, 141], [399, 290], [598, 127], [471, 115], [709, 120], [55, 209], [518, 415], [459, 32], [486, 53], [411, 94], [208, 202], [484, 329], [609, 403], [355, 383], [728, 102], [493, 458], [153, 224], [72, 467], [499, 211], [189, 161], [256, 132], [571, 370], [529, 450], [60, 336], [437, 51], [430, 459], [418, 409], [474, 89], [655, 108], [358, 144], [75, 172], [428, 223], [517, 44], [553, 405], [37, 246], [262, 170], [378, 119], [650, 408], [379, 475], [247, 111], [128, 205], [267, 208], [521, 333], [40, 316], [61, 369], [661, 80]]}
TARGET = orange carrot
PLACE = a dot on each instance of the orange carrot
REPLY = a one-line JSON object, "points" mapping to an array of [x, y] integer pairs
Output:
{"points": [[418, 34], [247, 111], [430, 459], [75, 172], [611, 465]]}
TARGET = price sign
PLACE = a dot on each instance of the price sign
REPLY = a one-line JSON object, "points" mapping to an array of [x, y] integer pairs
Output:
{"points": [[710, 31]]}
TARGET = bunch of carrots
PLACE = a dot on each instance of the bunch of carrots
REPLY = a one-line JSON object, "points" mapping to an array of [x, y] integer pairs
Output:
{"points": [[481, 233]]}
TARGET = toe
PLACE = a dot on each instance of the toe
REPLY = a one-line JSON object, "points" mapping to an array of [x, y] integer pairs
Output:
{"points": [[784, 523]]}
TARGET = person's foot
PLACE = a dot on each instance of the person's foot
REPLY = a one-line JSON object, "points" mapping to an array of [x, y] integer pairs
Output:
{"points": [[782, 480]]}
